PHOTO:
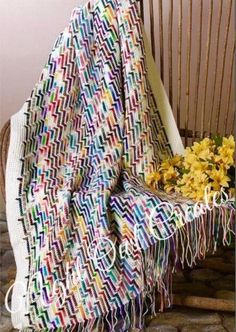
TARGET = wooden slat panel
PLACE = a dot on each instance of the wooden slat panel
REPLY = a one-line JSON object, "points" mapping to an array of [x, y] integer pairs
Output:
{"points": [[189, 49], [170, 51], [216, 64], [194, 47], [180, 32], [223, 67], [205, 81], [226, 120], [160, 15], [198, 67]]}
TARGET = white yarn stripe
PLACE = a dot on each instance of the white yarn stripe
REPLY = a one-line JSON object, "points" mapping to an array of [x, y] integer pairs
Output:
{"points": [[16, 232]]}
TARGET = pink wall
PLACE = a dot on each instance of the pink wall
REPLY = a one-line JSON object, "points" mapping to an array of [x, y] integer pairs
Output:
{"points": [[29, 29]]}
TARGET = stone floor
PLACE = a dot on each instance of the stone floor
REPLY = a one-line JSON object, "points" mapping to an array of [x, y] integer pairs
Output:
{"points": [[212, 278], [191, 320], [177, 320]]}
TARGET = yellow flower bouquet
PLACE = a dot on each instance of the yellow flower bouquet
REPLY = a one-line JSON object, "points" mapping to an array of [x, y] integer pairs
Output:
{"points": [[207, 164]]}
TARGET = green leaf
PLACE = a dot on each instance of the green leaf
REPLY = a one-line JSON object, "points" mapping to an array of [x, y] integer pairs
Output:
{"points": [[218, 139], [180, 185], [184, 171]]}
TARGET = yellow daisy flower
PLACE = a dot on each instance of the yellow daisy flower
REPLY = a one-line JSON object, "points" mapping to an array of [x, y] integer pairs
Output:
{"points": [[165, 165], [169, 174], [153, 178], [229, 142], [202, 165], [220, 179], [168, 187], [225, 156], [176, 160], [189, 159]]}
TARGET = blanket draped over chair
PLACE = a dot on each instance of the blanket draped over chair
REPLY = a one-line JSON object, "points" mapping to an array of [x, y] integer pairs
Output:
{"points": [[95, 247]]}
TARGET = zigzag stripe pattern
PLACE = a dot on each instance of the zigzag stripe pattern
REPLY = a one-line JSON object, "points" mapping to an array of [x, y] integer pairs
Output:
{"points": [[93, 133]]}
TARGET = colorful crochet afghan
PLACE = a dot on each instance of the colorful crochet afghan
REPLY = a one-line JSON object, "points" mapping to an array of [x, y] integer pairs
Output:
{"points": [[95, 247]]}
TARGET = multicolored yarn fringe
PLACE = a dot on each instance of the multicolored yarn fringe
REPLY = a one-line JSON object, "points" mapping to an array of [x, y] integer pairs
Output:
{"points": [[93, 133]]}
